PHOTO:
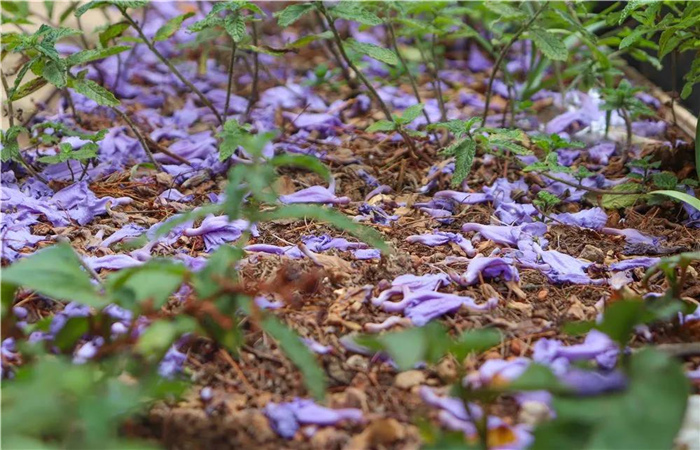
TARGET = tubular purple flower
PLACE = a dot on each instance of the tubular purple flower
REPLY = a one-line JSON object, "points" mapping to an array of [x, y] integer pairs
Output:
{"points": [[594, 218], [488, 268]]}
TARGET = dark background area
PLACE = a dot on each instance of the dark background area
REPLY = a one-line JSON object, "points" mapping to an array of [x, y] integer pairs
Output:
{"points": [[665, 78]]}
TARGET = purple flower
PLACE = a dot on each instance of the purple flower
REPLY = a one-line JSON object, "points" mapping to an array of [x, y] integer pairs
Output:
{"points": [[286, 418], [594, 218], [488, 268], [407, 283], [601, 153], [424, 306], [633, 236], [596, 346], [367, 253], [127, 231], [172, 363], [476, 61], [498, 371], [375, 214], [634, 263], [317, 347], [566, 269], [588, 382], [507, 234], [112, 262], [217, 230], [443, 238], [315, 194], [173, 195]]}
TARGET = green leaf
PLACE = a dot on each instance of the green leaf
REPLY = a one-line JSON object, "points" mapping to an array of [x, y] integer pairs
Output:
{"points": [[10, 145], [55, 73], [381, 125], [373, 51], [306, 40], [298, 352], [411, 113], [28, 88], [612, 201], [171, 27], [88, 6], [665, 180], [648, 414], [152, 282], [680, 196], [632, 38], [354, 11], [72, 331], [303, 161], [464, 152], [235, 27], [504, 9], [221, 264], [335, 218], [113, 31], [161, 334], [86, 56], [55, 272], [292, 13], [549, 44], [93, 91]]}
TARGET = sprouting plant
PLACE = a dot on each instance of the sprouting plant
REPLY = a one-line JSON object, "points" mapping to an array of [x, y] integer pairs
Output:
{"points": [[546, 201], [398, 123], [165, 32], [623, 100], [355, 12], [469, 140], [231, 17]]}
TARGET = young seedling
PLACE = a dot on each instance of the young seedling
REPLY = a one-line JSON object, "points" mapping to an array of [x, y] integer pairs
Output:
{"points": [[623, 100], [471, 139]]}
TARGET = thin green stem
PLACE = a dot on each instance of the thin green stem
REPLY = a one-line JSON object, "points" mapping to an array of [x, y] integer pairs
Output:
{"points": [[11, 119], [365, 81], [229, 86], [170, 65], [502, 55]]}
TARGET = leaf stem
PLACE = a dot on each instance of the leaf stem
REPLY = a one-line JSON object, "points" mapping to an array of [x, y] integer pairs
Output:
{"points": [[256, 75], [229, 86], [365, 81], [11, 118], [502, 55]]}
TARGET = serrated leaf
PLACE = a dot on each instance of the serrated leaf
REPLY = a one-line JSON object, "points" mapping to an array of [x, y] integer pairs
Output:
{"points": [[86, 56], [504, 9], [93, 91], [464, 152], [632, 38], [29, 88], [299, 354], [292, 13], [549, 44], [411, 113], [55, 272], [612, 201], [373, 51], [306, 40], [235, 27], [171, 27], [381, 125], [665, 180], [10, 145], [113, 31], [55, 73], [354, 11]]}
